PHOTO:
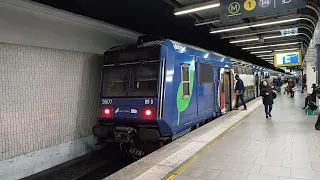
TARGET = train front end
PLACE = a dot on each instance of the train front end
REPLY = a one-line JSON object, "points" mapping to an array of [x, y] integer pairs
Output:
{"points": [[129, 99]]}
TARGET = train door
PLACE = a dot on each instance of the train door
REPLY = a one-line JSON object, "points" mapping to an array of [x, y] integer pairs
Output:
{"points": [[227, 89]]}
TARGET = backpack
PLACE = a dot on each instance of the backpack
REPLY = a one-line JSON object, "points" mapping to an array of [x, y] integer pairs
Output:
{"points": [[274, 95]]}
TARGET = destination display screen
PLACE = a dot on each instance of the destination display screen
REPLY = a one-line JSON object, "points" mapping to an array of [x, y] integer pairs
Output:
{"points": [[287, 58]]}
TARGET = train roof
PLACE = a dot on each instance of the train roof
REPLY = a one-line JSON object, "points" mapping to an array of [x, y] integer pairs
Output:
{"points": [[160, 42]]}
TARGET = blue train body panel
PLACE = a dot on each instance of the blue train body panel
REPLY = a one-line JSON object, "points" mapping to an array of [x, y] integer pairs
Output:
{"points": [[203, 101]]}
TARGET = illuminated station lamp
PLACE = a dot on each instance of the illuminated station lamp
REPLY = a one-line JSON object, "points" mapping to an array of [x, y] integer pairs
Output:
{"points": [[196, 7], [255, 25]]}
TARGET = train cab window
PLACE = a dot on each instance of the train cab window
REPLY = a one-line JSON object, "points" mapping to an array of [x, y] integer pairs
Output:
{"points": [[137, 80], [114, 81], [144, 80], [185, 80]]}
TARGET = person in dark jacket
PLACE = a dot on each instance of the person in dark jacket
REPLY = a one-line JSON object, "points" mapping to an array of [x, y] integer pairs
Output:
{"points": [[278, 84], [267, 98], [310, 100], [291, 85], [239, 92]]}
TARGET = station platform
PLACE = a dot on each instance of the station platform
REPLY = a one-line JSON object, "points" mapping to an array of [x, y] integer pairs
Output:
{"points": [[242, 145]]}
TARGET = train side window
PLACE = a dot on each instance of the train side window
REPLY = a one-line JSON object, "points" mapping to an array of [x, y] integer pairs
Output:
{"points": [[185, 80], [204, 73]]}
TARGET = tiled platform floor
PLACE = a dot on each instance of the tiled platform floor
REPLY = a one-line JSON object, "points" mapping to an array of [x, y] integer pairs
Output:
{"points": [[285, 147]]}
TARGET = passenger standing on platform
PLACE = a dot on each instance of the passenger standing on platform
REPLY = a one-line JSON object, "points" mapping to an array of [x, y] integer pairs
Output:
{"points": [[278, 84], [266, 78], [267, 98], [292, 84], [239, 92]]}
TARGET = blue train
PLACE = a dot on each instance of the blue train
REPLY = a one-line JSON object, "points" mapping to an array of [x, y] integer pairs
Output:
{"points": [[157, 91]]}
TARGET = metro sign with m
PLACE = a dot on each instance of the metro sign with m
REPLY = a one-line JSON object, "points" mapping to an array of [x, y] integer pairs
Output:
{"points": [[239, 9]]}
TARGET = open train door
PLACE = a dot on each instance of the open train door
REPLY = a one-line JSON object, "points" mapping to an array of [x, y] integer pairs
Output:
{"points": [[227, 89]]}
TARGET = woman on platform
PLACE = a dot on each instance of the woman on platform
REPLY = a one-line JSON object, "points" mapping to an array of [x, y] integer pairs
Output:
{"points": [[292, 85], [267, 97]]}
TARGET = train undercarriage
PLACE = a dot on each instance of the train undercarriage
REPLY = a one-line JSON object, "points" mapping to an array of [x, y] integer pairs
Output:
{"points": [[135, 141]]}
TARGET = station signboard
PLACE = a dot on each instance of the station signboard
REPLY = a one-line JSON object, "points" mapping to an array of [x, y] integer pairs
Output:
{"points": [[239, 9], [289, 32], [288, 58]]}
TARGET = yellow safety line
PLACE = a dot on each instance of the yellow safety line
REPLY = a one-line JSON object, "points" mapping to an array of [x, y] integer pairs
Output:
{"points": [[205, 149]]}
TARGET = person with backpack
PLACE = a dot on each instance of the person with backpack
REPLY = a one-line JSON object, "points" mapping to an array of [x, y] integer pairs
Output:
{"points": [[267, 98], [239, 88]]}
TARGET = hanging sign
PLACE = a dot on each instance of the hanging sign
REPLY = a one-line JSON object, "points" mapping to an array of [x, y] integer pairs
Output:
{"points": [[289, 32], [238, 9]]}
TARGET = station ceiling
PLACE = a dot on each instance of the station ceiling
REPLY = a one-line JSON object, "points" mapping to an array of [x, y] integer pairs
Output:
{"points": [[157, 17]]}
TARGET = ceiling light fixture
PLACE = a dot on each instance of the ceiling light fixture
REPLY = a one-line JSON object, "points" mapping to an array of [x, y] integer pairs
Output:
{"points": [[280, 36], [255, 47], [256, 25], [207, 22], [260, 52], [267, 55], [287, 49], [244, 40], [256, 39], [197, 9], [272, 45], [285, 44]]}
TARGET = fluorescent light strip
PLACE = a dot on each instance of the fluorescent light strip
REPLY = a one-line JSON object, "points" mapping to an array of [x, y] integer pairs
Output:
{"points": [[272, 45], [244, 40], [287, 49], [265, 55], [256, 47], [197, 9], [285, 44], [256, 39], [260, 52], [256, 25], [272, 37], [208, 22]]}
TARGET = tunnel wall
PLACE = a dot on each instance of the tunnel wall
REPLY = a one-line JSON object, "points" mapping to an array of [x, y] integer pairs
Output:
{"points": [[50, 66]]}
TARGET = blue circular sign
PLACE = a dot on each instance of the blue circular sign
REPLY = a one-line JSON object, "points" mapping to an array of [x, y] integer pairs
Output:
{"points": [[264, 3]]}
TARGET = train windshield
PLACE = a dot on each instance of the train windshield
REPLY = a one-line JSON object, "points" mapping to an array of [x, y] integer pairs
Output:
{"points": [[135, 80]]}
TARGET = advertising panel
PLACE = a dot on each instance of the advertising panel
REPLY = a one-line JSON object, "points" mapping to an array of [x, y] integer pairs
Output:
{"points": [[287, 58]]}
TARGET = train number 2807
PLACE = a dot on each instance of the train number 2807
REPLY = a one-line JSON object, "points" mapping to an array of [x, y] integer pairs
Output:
{"points": [[106, 101]]}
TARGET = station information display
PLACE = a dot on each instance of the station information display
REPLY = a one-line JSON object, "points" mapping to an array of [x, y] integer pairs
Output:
{"points": [[287, 58]]}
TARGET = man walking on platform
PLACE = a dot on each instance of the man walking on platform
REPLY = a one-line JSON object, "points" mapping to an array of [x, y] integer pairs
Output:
{"points": [[239, 92]]}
